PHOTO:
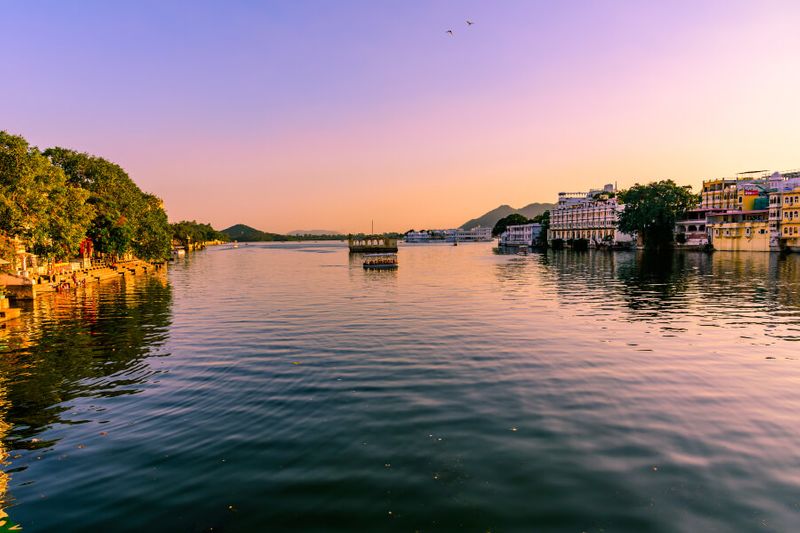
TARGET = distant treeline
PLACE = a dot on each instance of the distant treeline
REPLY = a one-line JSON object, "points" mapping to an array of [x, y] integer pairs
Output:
{"points": [[53, 199], [244, 233], [191, 232]]}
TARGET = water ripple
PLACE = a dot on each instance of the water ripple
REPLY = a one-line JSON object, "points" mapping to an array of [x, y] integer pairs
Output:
{"points": [[280, 386]]}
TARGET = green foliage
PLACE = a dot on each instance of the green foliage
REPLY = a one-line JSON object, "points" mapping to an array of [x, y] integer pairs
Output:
{"points": [[241, 232], [110, 236], [53, 199], [511, 220], [544, 220], [6, 251], [651, 210], [38, 203], [127, 219], [192, 232], [152, 236]]}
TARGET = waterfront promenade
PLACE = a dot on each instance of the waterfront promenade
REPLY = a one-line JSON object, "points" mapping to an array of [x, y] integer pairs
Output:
{"points": [[25, 288]]}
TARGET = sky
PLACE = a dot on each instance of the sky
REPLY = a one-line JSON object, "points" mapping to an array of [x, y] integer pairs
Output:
{"points": [[329, 114]]}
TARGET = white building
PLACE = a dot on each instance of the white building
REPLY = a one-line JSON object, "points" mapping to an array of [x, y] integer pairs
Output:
{"points": [[521, 235], [418, 236], [591, 216], [476, 234]]}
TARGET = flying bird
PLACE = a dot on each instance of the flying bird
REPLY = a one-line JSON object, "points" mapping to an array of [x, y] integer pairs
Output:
{"points": [[470, 23], [450, 32]]}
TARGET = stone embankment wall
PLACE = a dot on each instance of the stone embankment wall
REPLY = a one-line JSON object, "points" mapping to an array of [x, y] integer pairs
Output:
{"points": [[20, 288]]}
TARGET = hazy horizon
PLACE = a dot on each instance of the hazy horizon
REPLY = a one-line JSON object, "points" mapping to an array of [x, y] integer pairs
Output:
{"points": [[319, 114]]}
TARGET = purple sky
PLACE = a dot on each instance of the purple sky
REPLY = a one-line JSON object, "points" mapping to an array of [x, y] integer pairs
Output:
{"points": [[327, 114]]}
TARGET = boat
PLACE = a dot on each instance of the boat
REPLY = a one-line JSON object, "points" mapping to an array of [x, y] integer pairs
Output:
{"points": [[380, 261], [235, 244], [367, 244]]}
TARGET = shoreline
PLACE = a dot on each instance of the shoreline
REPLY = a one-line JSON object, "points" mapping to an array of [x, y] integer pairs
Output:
{"points": [[20, 288]]}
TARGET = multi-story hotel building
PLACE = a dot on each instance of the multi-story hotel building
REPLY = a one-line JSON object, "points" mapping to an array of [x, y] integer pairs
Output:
{"points": [[754, 214], [719, 194], [716, 220], [784, 211], [740, 230], [589, 215]]}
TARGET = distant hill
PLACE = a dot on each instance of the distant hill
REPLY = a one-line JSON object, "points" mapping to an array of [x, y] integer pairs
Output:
{"points": [[488, 220], [314, 232], [243, 233]]}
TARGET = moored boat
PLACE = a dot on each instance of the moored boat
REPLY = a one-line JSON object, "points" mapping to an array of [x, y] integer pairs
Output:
{"points": [[380, 261]]}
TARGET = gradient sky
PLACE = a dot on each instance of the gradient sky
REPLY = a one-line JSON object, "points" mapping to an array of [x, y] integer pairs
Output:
{"points": [[327, 114]]}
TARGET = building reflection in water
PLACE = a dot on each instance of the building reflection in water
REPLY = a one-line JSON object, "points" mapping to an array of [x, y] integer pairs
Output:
{"points": [[92, 342], [724, 288]]}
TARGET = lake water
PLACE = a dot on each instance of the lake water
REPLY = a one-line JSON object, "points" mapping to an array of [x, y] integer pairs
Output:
{"points": [[282, 387]]}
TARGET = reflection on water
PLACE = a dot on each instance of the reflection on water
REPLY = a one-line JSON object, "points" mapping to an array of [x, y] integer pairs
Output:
{"points": [[466, 390], [759, 291], [91, 343]]}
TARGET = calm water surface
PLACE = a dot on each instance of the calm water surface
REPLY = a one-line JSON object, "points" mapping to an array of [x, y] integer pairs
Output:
{"points": [[281, 387]]}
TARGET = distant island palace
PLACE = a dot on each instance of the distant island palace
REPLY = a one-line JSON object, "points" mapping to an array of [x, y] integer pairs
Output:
{"points": [[476, 234]]}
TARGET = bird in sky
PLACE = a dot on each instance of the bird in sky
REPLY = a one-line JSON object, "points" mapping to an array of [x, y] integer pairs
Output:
{"points": [[450, 32], [470, 23]]}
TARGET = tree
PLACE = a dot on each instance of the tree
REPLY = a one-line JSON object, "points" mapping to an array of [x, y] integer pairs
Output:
{"points": [[128, 219], [37, 203], [511, 220], [544, 220], [109, 236], [651, 210], [152, 238], [187, 232]]}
